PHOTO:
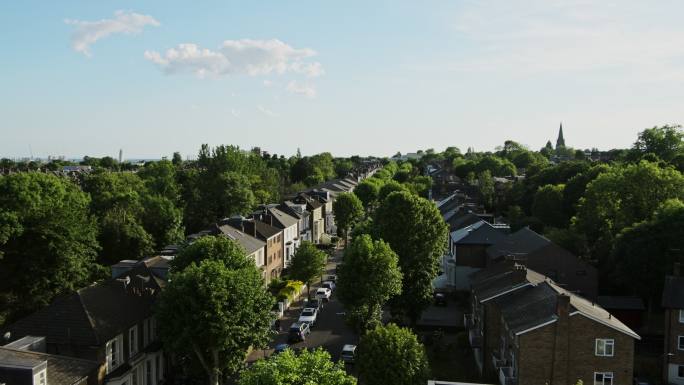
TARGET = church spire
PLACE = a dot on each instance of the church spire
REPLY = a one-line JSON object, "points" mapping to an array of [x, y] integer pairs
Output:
{"points": [[560, 142]]}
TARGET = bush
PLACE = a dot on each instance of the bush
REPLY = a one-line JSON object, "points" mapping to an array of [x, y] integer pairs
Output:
{"points": [[290, 290]]}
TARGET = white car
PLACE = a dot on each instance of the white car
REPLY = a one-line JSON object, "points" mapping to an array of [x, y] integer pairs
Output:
{"points": [[348, 353], [308, 315], [328, 284], [323, 293]]}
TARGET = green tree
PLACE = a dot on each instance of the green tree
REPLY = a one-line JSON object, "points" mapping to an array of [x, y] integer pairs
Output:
{"points": [[415, 230], [222, 249], [368, 191], [308, 263], [666, 142], [48, 241], [215, 314], [289, 368], [485, 186], [390, 187], [343, 167], [348, 210], [548, 205], [622, 196], [368, 277], [392, 355]]}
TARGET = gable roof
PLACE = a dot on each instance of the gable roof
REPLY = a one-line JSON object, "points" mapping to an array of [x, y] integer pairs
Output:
{"points": [[282, 219], [673, 292], [521, 242], [95, 314], [479, 233], [61, 370], [248, 242], [528, 307]]}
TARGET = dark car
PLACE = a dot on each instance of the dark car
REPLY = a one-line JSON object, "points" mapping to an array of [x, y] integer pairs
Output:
{"points": [[315, 303], [440, 299], [298, 332], [280, 348]]}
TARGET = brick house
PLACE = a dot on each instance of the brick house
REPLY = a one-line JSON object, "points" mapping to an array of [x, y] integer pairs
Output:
{"points": [[271, 236], [527, 330], [316, 218], [111, 323], [535, 251], [673, 303], [289, 225]]}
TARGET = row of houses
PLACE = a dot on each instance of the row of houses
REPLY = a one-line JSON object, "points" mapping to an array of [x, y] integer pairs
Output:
{"points": [[536, 316], [106, 333]]}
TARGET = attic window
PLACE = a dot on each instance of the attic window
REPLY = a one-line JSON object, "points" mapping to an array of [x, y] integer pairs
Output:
{"points": [[40, 378]]}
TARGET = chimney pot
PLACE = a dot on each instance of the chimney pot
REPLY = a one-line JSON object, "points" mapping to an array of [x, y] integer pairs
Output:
{"points": [[563, 305]]}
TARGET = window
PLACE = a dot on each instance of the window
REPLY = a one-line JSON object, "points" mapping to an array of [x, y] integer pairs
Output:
{"points": [[680, 340], [40, 379], [133, 341], [113, 353], [157, 368], [681, 316], [603, 378], [604, 347], [148, 372], [680, 371], [136, 376]]}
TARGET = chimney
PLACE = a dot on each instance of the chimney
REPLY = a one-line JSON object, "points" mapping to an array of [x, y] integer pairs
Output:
{"points": [[677, 269], [563, 305]]}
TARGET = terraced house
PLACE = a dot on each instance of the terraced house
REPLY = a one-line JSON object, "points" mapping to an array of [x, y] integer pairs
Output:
{"points": [[673, 303], [527, 330]]}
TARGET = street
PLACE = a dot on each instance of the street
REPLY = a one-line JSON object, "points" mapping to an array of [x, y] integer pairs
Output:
{"points": [[330, 331]]}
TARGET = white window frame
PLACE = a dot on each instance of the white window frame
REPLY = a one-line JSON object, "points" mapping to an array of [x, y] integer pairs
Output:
{"points": [[680, 342], [40, 378], [114, 362], [681, 316], [605, 375], [605, 342], [133, 342]]}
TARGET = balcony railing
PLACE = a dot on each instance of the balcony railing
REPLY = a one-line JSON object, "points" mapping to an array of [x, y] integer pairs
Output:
{"points": [[507, 376], [468, 321], [475, 338], [497, 360]]}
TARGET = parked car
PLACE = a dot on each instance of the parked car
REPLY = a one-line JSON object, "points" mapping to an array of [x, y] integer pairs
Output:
{"points": [[323, 293], [298, 332], [331, 277], [280, 348], [315, 303], [440, 299], [329, 284], [348, 353], [308, 315]]}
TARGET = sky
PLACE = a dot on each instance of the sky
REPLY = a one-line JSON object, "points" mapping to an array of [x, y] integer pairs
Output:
{"points": [[354, 77]]}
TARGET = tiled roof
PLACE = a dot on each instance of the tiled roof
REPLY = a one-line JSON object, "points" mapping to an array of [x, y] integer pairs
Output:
{"points": [[284, 219], [673, 292], [61, 370], [95, 314]]}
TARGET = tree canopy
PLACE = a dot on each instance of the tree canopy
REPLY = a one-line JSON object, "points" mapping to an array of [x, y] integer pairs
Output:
{"points": [[348, 209], [307, 263]]}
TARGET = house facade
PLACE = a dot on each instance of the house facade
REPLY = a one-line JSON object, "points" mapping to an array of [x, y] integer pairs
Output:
{"points": [[316, 218], [288, 224], [673, 303], [111, 323], [527, 330]]}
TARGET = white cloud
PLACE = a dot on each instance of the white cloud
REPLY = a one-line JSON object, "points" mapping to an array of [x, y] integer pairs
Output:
{"points": [[301, 88], [266, 111], [267, 83], [88, 32], [532, 36], [245, 56]]}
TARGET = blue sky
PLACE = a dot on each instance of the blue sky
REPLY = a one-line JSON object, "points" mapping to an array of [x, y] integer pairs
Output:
{"points": [[355, 77]]}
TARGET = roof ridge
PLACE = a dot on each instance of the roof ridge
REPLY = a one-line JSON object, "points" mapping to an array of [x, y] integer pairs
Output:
{"points": [[90, 318]]}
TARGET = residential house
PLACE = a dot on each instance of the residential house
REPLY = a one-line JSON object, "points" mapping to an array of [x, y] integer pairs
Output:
{"points": [[527, 330], [111, 323], [254, 248], [316, 219], [270, 235], [289, 225], [673, 303], [326, 200], [535, 251], [467, 251], [303, 216], [24, 362]]}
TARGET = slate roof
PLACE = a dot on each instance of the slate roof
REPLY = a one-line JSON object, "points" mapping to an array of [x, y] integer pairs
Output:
{"points": [[265, 230], [459, 222], [514, 278], [61, 370], [248, 242], [479, 233], [521, 242], [528, 307], [282, 218], [95, 314], [673, 292]]}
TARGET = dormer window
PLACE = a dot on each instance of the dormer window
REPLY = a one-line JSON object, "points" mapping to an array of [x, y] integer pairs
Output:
{"points": [[40, 378], [113, 350]]}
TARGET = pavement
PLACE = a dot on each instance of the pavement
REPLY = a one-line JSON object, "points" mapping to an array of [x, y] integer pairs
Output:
{"points": [[330, 332]]}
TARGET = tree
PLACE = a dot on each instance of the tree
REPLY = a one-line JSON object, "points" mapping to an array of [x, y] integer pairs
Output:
{"points": [[415, 230], [548, 205], [347, 209], [224, 250], [177, 160], [290, 368], [485, 185], [622, 196], [343, 167], [390, 187], [392, 355], [368, 191], [666, 142], [307, 263], [368, 277], [48, 241], [214, 314]]}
